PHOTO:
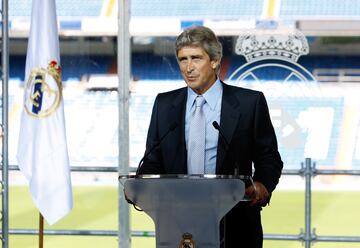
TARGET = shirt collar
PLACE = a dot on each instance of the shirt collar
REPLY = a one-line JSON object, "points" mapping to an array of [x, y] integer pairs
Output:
{"points": [[211, 96], [191, 97]]}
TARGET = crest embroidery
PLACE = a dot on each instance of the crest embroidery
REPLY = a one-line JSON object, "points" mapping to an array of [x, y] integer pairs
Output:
{"points": [[43, 91]]}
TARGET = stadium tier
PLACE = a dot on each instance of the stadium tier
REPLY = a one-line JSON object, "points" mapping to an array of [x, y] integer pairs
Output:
{"points": [[308, 9], [73, 8], [305, 125], [168, 18], [147, 66], [197, 8], [143, 8], [303, 113], [289, 9], [74, 67]]}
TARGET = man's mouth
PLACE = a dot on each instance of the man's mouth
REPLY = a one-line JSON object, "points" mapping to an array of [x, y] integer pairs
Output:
{"points": [[191, 78]]}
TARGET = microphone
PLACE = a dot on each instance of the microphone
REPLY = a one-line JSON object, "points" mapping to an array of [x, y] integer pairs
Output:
{"points": [[217, 127], [171, 128]]}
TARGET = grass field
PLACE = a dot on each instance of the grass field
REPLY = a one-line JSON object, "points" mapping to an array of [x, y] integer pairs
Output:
{"points": [[95, 207]]}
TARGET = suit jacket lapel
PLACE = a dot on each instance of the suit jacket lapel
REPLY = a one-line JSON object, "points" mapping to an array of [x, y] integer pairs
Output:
{"points": [[178, 149], [230, 114]]}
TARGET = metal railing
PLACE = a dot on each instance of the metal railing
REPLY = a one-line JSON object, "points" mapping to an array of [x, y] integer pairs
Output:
{"points": [[339, 75], [307, 234]]}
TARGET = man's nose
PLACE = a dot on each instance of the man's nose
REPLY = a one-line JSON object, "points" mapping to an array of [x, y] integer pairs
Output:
{"points": [[190, 66]]}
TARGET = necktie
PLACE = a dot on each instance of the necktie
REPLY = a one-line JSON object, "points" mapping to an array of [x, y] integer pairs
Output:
{"points": [[196, 143]]}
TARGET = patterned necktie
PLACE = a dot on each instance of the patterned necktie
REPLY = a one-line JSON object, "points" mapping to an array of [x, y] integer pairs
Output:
{"points": [[196, 143]]}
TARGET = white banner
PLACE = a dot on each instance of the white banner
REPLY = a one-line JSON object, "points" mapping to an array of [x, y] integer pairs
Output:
{"points": [[42, 152]]}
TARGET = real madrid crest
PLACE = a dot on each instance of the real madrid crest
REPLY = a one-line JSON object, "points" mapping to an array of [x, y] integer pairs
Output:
{"points": [[187, 241], [43, 91], [269, 51]]}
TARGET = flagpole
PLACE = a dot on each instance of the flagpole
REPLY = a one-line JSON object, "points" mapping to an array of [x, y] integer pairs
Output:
{"points": [[41, 231]]}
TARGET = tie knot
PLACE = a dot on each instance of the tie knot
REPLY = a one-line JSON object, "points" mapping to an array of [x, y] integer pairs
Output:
{"points": [[199, 101]]}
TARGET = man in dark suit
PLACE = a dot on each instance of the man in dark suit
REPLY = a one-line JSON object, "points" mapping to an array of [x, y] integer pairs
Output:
{"points": [[249, 138]]}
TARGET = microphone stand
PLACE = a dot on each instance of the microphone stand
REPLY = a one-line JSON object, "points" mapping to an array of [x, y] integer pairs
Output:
{"points": [[171, 128]]}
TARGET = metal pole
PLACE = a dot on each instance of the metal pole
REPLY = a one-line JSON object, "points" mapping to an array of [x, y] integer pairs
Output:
{"points": [[5, 97], [337, 239], [308, 175], [337, 172], [67, 232], [123, 60]]}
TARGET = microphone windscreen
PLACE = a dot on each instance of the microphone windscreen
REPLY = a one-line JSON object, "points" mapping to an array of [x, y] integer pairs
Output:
{"points": [[216, 125]]}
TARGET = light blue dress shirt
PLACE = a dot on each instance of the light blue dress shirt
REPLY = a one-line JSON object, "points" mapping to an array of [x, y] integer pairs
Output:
{"points": [[212, 111]]}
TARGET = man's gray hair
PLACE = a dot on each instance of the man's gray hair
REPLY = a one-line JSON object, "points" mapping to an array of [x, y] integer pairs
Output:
{"points": [[203, 37]]}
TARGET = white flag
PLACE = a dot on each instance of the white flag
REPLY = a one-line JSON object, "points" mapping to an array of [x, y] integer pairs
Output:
{"points": [[42, 151]]}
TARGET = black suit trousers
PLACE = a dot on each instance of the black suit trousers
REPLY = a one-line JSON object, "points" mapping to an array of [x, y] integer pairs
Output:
{"points": [[241, 227]]}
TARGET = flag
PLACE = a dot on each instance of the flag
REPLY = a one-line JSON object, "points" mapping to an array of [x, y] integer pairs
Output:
{"points": [[42, 151]]}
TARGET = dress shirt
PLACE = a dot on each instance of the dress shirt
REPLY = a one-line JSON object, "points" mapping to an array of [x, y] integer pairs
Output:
{"points": [[212, 111]]}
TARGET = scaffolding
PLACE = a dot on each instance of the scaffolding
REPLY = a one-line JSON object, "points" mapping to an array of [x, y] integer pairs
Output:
{"points": [[4, 124], [307, 234]]}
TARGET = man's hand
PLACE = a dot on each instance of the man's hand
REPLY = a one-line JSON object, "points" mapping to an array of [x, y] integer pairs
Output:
{"points": [[257, 193]]}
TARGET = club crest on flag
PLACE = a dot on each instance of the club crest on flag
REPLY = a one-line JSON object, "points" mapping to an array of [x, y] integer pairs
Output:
{"points": [[43, 91]]}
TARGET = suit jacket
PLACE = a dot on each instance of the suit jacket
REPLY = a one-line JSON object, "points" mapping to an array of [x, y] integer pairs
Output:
{"points": [[245, 123]]}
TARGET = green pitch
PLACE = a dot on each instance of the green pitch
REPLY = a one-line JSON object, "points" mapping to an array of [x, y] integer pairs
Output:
{"points": [[334, 213]]}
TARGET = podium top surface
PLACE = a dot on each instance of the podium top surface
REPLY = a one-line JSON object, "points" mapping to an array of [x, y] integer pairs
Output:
{"points": [[184, 176]]}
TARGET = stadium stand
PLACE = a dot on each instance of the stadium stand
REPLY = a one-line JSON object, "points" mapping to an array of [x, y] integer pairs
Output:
{"points": [[98, 123], [156, 8], [153, 69], [197, 8], [73, 8], [147, 66], [308, 9], [74, 67]]}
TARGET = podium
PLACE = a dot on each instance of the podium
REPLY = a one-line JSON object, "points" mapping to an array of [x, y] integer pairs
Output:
{"points": [[186, 209]]}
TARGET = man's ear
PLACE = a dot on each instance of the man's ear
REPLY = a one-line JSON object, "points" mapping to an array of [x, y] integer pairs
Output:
{"points": [[214, 64]]}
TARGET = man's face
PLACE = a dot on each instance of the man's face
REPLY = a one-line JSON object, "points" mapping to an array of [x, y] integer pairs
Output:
{"points": [[196, 68]]}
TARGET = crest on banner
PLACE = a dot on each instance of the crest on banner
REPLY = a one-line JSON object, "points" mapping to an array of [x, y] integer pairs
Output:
{"points": [[43, 91]]}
